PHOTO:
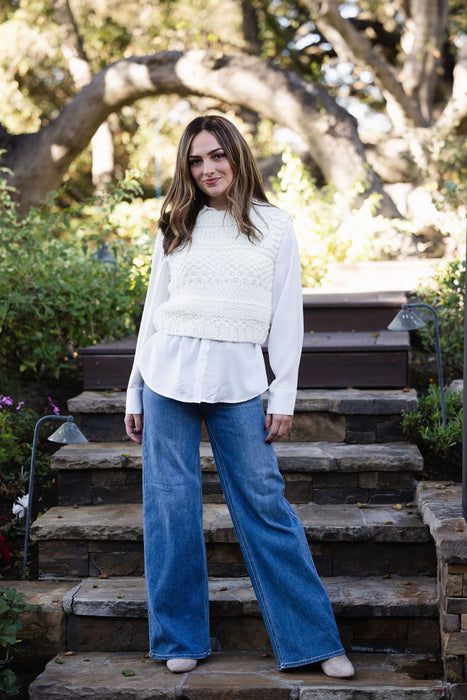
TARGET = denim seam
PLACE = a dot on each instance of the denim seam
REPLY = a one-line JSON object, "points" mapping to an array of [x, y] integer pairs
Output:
{"points": [[167, 657], [245, 547], [312, 660]]}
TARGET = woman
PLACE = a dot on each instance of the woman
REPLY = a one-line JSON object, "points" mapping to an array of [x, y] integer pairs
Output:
{"points": [[225, 276]]}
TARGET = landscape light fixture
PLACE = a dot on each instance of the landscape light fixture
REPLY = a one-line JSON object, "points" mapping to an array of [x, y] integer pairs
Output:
{"points": [[408, 320], [66, 434], [104, 255]]}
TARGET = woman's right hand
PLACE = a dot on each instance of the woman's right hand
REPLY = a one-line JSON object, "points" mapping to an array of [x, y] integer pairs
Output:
{"points": [[134, 427]]}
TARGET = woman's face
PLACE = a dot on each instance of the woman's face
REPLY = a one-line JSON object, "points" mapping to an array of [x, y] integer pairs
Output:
{"points": [[210, 168]]}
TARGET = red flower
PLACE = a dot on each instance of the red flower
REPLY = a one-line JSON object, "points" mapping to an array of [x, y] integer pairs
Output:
{"points": [[5, 550]]}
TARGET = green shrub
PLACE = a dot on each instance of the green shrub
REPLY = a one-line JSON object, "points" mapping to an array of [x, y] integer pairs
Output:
{"points": [[445, 292], [12, 604], [440, 445], [16, 432], [54, 297], [328, 225], [9, 684], [17, 423]]}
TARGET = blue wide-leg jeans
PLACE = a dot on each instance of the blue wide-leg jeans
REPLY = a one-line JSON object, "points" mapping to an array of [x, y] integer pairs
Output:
{"points": [[294, 604]]}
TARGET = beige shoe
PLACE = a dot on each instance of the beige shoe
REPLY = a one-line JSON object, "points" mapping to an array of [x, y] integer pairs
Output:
{"points": [[181, 665], [338, 667]]}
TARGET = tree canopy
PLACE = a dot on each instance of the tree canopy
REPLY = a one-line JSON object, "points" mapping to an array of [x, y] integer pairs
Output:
{"points": [[374, 89]]}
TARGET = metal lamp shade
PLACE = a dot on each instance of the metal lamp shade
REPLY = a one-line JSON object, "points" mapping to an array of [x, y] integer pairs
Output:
{"points": [[406, 320], [104, 255], [68, 434]]}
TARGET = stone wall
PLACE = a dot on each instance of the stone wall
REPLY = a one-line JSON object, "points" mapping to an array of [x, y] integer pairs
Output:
{"points": [[440, 504]]}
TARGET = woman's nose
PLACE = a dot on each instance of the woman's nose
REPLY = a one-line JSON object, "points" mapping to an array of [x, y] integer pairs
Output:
{"points": [[208, 167]]}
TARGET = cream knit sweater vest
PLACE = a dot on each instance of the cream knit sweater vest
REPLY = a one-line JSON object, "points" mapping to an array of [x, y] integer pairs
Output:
{"points": [[221, 286]]}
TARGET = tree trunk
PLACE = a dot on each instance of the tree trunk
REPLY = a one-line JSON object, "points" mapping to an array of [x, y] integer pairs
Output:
{"points": [[250, 28], [350, 45], [40, 160], [454, 116], [422, 43], [102, 146]]}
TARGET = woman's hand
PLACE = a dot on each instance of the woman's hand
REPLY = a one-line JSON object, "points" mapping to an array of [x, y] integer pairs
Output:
{"points": [[134, 427], [278, 425]]}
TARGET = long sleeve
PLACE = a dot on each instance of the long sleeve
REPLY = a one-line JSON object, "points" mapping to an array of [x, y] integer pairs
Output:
{"points": [[286, 332], [156, 294]]}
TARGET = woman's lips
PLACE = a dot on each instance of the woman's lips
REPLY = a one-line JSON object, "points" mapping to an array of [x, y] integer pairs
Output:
{"points": [[212, 181]]}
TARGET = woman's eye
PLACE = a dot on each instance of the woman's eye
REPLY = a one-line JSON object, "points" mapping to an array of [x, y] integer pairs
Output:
{"points": [[194, 162], [219, 155]]}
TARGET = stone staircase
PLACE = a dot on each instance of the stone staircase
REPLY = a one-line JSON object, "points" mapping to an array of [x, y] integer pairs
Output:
{"points": [[346, 343], [351, 478]]}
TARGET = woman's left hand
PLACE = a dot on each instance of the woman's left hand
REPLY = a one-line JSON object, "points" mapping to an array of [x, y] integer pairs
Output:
{"points": [[278, 425]]}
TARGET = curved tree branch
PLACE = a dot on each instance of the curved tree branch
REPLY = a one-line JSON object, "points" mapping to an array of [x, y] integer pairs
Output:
{"points": [[40, 160], [352, 45]]}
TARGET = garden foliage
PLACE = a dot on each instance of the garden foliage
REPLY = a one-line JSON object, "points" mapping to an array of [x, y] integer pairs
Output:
{"points": [[440, 445], [12, 604], [328, 228], [17, 423], [445, 291], [54, 296]]}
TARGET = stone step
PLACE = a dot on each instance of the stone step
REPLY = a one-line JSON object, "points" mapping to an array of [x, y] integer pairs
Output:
{"points": [[324, 472], [352, 311], [398, 614], [235, 676], [344, 415], [81, 541]]}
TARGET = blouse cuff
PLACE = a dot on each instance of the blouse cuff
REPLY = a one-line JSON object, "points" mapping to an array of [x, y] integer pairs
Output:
{"points": [[134, 401], [281, 401]]}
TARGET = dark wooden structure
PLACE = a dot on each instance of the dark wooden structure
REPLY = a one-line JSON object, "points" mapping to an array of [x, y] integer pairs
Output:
{"points": [[345, 344], [353, 312]]}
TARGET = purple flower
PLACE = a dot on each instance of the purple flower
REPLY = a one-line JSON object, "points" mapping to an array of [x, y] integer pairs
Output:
{"points": [[6, 400], [20, 405], [55, 409]]}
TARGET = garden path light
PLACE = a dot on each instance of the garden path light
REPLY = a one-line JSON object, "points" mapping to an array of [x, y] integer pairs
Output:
{"points": [[104, 255], [66, 434], [408, 320]]}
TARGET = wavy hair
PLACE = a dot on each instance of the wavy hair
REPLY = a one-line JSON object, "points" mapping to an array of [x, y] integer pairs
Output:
{"points": [[184, 199]]}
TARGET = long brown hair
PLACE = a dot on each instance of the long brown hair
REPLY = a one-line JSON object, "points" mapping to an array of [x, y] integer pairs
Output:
{"points": [[184, 199]]}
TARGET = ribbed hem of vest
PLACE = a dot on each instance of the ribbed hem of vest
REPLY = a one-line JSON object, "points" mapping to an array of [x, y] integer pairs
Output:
{"points": [[221, 332]]}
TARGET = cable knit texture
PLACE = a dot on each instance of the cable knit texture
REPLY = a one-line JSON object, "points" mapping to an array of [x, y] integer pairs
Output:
{"points": [[221, 286]]}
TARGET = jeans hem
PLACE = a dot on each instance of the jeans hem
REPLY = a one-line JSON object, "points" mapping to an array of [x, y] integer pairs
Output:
{"points": [[311, 660], [167, 657]]}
